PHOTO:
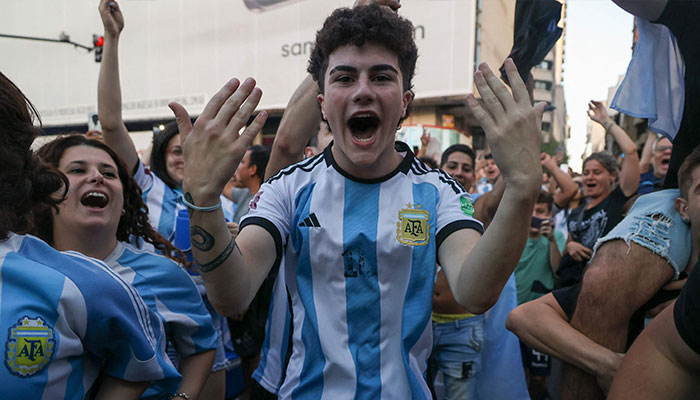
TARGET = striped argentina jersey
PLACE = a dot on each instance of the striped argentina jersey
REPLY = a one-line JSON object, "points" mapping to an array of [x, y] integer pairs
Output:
{"points": [[172, 295], [270, 369], [163, 203], [64, 318], [359, 266]]}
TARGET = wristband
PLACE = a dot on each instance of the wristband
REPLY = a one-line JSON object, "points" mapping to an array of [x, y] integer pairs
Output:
{"points": [[608, 126], [197, 208]]}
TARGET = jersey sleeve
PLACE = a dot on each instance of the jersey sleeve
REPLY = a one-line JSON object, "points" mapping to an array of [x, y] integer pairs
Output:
{"points": [[143, 177], [271, 209], [455, 210], [687, 309], [189, 324], [124, 333]]}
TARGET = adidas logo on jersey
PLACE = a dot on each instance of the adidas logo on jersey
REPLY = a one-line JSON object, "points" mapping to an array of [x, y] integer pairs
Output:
{"points": [[311, 221]]}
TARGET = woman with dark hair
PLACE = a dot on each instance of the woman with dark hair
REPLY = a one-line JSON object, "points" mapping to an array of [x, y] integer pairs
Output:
{"points": [[66, 318], [603, 206], [103, 209], [161, 186]]}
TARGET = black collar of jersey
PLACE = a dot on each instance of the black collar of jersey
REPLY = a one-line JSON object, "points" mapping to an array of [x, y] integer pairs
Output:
{"points": [[403, 167]]}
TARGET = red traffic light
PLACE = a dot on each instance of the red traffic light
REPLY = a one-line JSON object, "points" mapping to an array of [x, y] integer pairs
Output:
{"points": [[100, 41]]}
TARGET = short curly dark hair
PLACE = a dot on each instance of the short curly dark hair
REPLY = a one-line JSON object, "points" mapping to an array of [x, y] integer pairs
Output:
{"points": [[133, 222], [365, 24], [25, 180]]}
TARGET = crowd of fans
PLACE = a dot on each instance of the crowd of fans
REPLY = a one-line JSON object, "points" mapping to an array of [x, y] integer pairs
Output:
{"points": [[337, 262]]}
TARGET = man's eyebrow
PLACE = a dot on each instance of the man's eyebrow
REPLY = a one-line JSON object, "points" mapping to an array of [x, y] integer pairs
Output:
{"points": [[383, 67], [345, 68], [374, 68]]}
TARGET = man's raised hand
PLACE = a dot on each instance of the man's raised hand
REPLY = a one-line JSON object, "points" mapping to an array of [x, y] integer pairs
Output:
{"points": [[212, 146], [511, 124]]}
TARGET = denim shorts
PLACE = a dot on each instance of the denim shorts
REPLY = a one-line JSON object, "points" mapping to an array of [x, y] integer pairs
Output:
{"points": [[457, 354], [654, 223]]}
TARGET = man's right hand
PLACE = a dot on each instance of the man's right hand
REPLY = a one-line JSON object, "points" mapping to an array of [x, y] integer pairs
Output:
{"points": [[548, 162], [578, 251], [599, 113], [212, 146], [512, 127], [112, 18]]}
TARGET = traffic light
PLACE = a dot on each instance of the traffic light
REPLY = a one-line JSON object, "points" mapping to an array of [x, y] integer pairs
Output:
{"points": [[98, 43]]}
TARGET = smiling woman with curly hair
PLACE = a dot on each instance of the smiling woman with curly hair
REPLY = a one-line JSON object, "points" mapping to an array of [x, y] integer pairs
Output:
{"points": [[68, 318], [102, 211]]}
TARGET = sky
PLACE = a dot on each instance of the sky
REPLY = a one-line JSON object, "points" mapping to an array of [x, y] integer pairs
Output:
{"points": [[598, 48]]}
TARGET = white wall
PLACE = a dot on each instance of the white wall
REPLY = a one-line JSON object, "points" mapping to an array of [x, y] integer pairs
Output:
{"points": [[185, 50]]}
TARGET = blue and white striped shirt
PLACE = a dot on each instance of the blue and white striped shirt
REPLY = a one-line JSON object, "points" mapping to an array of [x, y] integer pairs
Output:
{"points": [[170, 293], [359, 266], [64, 318], [273, 353]]}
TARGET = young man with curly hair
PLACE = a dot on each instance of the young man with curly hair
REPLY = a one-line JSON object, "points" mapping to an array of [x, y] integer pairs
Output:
{"points": [[362, 224]]}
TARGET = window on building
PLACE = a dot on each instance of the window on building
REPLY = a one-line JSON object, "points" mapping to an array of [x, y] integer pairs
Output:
{"points": [[546, 126], [545, 65], [543, 85]]}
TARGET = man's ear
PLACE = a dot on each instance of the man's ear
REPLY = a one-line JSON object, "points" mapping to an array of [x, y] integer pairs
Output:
{"points": [[308, 152], [682, 207], [254, 169], [407, 97], [320, 99]]}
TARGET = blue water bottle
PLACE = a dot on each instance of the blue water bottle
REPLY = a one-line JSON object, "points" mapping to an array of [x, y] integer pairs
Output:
{"points": [[182, 234]]}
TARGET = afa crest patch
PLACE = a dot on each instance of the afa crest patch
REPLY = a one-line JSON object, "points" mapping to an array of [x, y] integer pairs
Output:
{"points": [[413, 227], [466, 206], [30, 346]]}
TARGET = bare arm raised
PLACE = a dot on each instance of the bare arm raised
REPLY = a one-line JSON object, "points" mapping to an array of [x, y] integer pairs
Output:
{"points": [[629, 173], [232, 269], [300, 120], [567, 186], [510, 121], [109, 92]]}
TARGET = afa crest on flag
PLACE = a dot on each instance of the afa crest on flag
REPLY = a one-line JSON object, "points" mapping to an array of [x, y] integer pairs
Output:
{"points": [[30, 346]]}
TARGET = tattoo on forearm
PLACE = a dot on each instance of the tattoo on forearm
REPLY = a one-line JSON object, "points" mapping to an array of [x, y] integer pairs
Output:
{"points": [[201, 239], [189, 198], [215, 263]]}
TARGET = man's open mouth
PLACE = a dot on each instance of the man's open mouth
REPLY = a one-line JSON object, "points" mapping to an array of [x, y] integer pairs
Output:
{"points": [[94, 199], [363, 126]]}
